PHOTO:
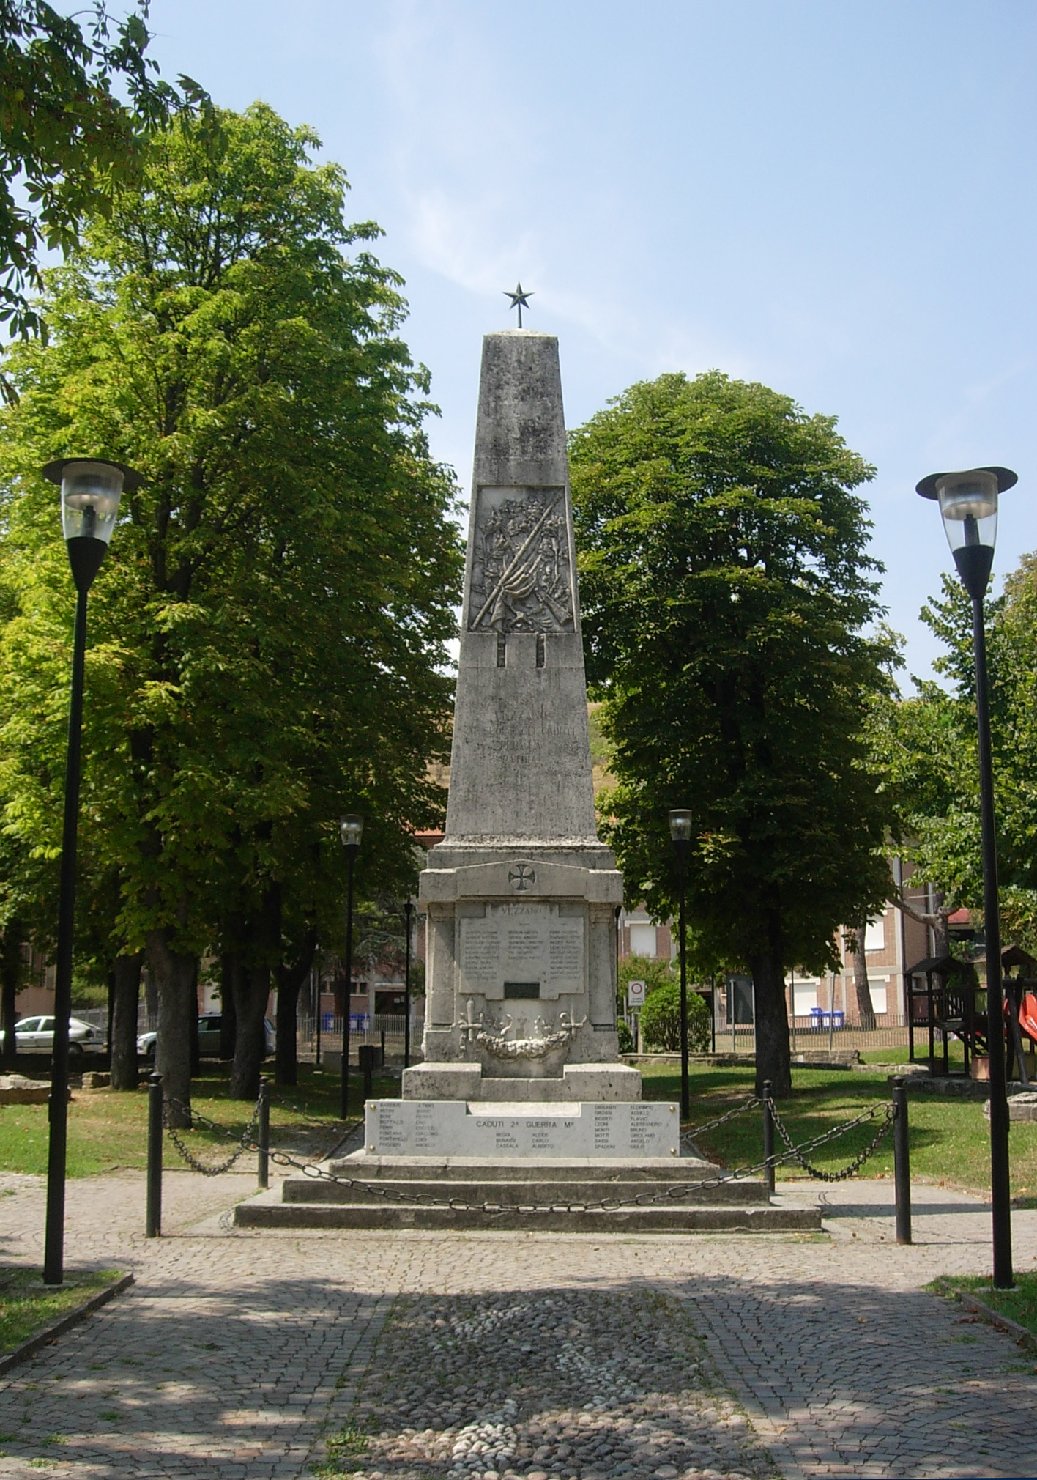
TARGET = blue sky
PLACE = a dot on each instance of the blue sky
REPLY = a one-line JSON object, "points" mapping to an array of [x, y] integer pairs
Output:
{"points": [[834, 197]]}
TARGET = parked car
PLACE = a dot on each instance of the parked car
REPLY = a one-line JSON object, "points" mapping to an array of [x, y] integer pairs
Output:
{"points": [[36, 1035], [208, 1037]]}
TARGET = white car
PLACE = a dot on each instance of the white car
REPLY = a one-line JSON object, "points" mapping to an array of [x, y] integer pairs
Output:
{"points": [[36, 1035]]}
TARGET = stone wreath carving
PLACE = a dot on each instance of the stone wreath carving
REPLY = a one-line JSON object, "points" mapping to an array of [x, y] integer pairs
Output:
{"points": [[496, 1040]]}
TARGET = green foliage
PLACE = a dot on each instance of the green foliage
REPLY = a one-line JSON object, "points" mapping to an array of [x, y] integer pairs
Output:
{"points": [[931, 744], [66, 137], [726, 588], [651, 970], [267, 643], [661, 1019], [624, 1036]]}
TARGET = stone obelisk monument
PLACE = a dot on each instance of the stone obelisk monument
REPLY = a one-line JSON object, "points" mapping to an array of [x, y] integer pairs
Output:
{"points": [[520, 896]]}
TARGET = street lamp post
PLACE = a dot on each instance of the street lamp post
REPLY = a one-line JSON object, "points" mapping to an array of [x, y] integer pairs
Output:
{"points": [[350, 830], [90, 494], [680, 833], [968, 504], [408, 916]]}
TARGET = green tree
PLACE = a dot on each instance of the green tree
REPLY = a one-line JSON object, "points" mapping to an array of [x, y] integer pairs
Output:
{"points": [[933, 769], [726, 588], [269, 629], [67, 141]]}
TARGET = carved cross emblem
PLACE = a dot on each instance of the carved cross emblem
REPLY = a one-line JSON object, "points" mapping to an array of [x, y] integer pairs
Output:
{"points": [[522, 877]]}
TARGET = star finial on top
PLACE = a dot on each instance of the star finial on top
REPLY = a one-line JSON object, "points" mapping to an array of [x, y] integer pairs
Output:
{"points": [[519, 299]]}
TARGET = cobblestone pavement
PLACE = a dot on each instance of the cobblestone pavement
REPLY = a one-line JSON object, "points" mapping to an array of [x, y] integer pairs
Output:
{"points": [[415, 1356]]}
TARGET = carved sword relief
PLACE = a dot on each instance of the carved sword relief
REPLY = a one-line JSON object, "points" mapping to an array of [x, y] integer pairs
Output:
{"points": [[521, 573]]}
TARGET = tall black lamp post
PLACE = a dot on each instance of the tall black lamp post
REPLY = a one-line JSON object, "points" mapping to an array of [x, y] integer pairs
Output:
{"points": [[408, 918], [90, 494], [968, 504], [680, 832], [350, 830]]}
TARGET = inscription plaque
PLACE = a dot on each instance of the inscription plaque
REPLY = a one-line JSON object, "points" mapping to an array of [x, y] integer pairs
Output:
{"points": [[521, 943], [613, 1129]]}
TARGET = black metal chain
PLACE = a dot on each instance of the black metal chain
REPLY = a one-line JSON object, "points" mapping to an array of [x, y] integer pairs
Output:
{"points": [[246, 1141], [689, 1137], [677, 1191], [796, 1152]]}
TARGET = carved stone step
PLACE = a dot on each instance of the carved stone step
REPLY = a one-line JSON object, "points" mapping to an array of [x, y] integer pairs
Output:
{"points": [[521, 1194], [267, 1211]]}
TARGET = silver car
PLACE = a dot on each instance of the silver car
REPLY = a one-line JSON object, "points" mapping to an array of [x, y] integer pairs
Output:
{"points": [[208, 1038], [36, 1035]]}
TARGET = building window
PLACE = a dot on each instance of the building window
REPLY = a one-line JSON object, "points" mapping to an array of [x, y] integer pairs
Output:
{"points": [[875, 935], [642, 940], [804, 998]]}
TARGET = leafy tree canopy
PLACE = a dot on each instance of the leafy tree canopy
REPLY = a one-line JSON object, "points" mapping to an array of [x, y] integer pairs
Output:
{"points": [[267, 645], [931, 743], [68, 141], [727, 590]]}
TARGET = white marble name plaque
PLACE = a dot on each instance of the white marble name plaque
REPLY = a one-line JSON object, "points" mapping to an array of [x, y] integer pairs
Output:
{"points": [[530, 943], [634, 1129]]}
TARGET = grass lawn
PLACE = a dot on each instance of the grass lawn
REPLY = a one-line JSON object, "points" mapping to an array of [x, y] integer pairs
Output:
{"points": [[108, 1129], [1019, 1305], [950, 1138], [26, 1305]]}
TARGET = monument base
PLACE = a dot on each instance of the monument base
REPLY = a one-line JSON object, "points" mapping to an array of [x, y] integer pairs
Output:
{"points": [[574, 1132], [607, 1082]]}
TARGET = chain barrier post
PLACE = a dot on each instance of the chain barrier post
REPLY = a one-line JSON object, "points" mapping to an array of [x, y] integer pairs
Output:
{"points": [[263, 1136], [901, 1160], [768, 1137], [153, 1210]]}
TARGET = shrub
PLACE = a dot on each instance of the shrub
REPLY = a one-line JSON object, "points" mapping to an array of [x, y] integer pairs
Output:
{"points": [[661, 1019]]}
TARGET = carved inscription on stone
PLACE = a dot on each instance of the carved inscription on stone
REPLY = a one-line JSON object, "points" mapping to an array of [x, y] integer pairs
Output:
{"points": [[479, 955], [452, 1128], [521, 574], [521, 942]]}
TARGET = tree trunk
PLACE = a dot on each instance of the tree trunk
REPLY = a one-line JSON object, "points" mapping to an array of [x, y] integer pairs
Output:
{"points": [[290, 977], [230, 968], [252, 988], [176, 976], [122, 1026], [772, 1024], [855, 948], [10, 970]]}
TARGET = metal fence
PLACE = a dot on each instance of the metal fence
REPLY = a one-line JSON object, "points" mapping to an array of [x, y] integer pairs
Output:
{"points": [[808, 1033], [385, 1030]]}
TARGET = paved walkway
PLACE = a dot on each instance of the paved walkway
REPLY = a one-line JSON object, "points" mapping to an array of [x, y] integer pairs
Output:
{"points": [[415, 1356]]}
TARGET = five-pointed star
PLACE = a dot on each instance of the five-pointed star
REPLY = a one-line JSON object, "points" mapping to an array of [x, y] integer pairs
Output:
{"points": [[519, 299]]}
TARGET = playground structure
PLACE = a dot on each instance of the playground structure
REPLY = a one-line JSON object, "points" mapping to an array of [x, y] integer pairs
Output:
{"points": [[946, 1003]]}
